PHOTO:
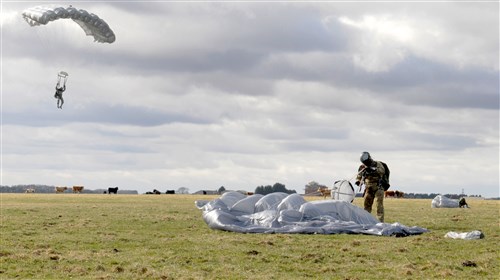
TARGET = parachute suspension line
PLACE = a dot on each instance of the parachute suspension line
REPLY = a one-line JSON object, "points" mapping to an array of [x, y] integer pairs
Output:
{"points": [[62, 76], [356, 175], [44, 40]]}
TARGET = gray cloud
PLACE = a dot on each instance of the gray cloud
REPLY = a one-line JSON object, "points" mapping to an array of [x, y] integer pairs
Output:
{"points": [[244, 94], [101, 114]]}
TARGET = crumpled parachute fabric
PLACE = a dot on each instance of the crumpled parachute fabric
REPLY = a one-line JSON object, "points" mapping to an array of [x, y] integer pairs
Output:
{"points": [[284, 213], [441, 201], [475, 234]]}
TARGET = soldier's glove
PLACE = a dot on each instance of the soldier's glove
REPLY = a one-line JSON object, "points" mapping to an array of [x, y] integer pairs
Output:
{"points": [[370, 170]]}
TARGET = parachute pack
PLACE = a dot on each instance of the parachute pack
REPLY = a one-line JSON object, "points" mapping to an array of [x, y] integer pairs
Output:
{"points": [[343, 190], [384, 181]]}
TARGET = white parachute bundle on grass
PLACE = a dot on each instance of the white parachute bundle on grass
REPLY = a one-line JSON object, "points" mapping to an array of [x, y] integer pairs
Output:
{"points": [[441, 201], [284, 213], [90, 23], [343, 190], [475, 234]]}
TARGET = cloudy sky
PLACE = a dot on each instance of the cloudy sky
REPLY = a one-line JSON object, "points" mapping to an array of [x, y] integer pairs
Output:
{"points": [[243, 94]]}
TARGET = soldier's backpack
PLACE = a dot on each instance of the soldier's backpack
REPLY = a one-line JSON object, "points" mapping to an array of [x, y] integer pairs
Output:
{"points": [[384, 181]]}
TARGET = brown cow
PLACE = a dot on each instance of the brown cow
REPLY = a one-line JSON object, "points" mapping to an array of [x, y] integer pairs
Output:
{"points": [[390, 194], [77, 189], [60, 189], [325, 191]]}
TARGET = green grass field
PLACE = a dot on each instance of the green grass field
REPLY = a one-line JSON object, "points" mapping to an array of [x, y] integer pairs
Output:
{"points": [[89, 236]]}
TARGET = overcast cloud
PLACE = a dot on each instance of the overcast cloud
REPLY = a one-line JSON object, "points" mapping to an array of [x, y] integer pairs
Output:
{"points": [[243, 94]]}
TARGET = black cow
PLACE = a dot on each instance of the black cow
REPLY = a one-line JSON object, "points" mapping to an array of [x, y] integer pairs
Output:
{"points": [[462, 203], [170, 192], [113, 190], [155, 191]]}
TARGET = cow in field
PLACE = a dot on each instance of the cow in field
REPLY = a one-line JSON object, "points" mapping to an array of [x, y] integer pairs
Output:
{"points": [[30, 190], [462, 203], [113, 190], [399, 194], [170, 192], [155, 191], [390, 194], [60, 189], [325, 191], [77, 189]]}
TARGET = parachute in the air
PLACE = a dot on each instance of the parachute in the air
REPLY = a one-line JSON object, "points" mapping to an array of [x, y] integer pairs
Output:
{"points": [[90, 23]]}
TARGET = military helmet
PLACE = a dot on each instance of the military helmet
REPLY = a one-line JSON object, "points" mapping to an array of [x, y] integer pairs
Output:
{"points": [[366, 159]]}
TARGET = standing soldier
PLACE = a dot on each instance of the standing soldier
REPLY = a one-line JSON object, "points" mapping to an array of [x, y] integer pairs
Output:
{"points": [[371, 173]]}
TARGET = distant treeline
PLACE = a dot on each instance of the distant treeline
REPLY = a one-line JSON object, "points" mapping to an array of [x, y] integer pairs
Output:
{"points": [[51, 189], [277, 187]]}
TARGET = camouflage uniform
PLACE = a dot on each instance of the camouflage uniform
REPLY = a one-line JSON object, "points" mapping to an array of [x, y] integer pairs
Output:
{"points": [[58, 95], [373, 189]]}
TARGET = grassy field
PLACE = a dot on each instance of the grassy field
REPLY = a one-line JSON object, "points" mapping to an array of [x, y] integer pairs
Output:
{"points": [[89, 236]]}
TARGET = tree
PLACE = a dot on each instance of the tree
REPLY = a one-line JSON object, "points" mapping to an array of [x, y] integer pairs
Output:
{"points": [[182, 190], [221, 190], [277, 187], [313, 187]]}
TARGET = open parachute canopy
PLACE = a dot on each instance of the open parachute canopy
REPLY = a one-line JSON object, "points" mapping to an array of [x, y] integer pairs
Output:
{"points": [[90, 23]]}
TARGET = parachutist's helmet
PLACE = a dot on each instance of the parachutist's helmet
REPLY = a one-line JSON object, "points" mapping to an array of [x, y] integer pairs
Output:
{"points": [[366, 159]]}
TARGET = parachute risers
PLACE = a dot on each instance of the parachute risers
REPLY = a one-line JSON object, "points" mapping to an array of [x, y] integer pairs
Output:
{"points": [[62, 76], [90, 23]]}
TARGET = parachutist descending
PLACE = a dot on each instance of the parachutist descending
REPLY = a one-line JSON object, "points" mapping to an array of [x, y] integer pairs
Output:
{"points": [[61, 77], [91, 24], [58, 95]]}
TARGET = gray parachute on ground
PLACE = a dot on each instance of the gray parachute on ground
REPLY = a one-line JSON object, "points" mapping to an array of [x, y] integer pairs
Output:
{"points": [[90, 23], [284, 213]]}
